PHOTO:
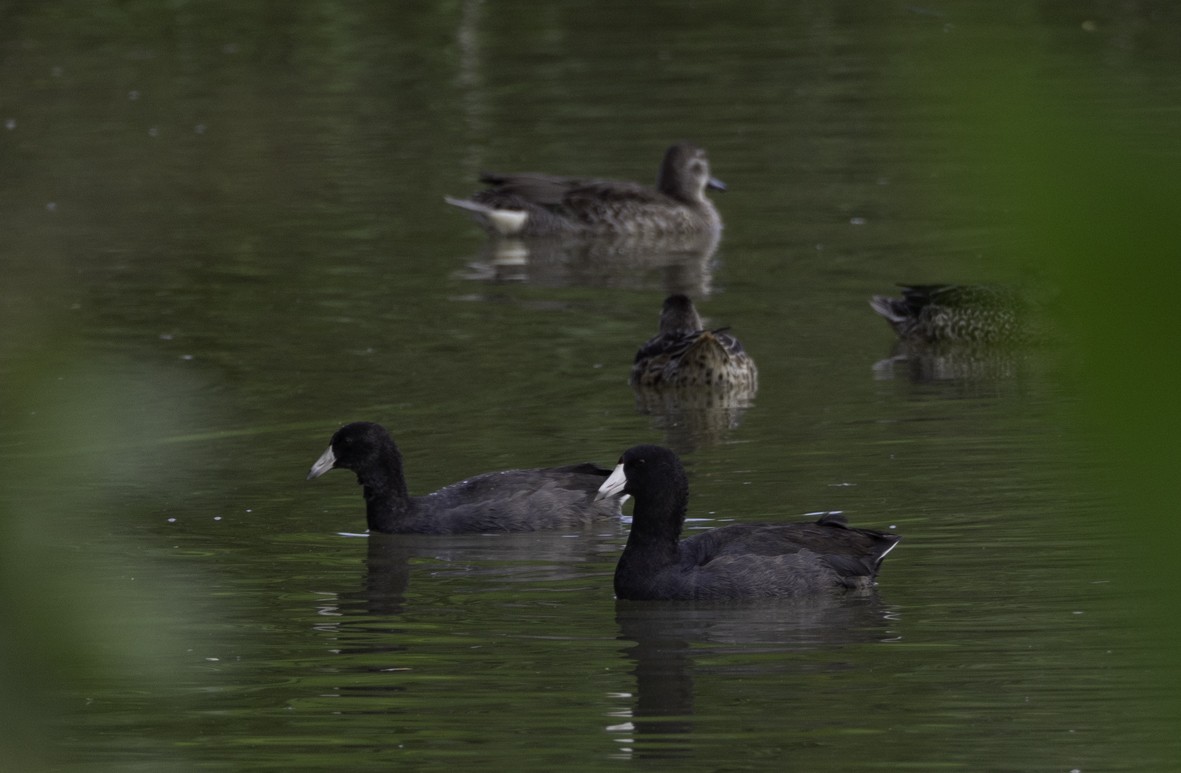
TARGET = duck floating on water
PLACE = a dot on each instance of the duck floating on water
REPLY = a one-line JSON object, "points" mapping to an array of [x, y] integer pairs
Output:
{"points": [[531, 204], [686, 355], [950, 313]]}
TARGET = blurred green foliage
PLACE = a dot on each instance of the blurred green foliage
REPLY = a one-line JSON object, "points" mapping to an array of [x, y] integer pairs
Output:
{"points": [[89, 436], [1070, 159], [88, 455]]}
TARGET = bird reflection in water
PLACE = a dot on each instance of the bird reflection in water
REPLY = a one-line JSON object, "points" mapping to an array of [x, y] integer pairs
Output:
{"points": [[674, 264], [664, 641]]}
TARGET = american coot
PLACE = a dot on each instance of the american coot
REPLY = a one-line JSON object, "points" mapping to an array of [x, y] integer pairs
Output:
{"points": [[730, 562], [544, 205], [683, 354], [954, 313], [513, 500]]}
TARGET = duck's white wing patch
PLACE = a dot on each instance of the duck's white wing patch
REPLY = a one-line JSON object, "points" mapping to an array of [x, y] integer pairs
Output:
{"points": [[507, 222]]}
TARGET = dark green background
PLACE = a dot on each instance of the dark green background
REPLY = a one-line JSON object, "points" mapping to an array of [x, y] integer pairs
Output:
{"points": [[224, 236]]}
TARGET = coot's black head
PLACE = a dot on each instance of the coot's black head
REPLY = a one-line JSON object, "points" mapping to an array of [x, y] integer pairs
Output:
{"points": [[645, 472], [359, 446]]}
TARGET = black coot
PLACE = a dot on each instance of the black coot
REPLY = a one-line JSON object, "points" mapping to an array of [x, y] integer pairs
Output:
{"points": [[513, 500], [730, 562]]}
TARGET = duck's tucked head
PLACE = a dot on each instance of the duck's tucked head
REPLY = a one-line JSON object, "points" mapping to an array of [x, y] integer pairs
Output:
{"points": [[360, 446], [645, 471], [679, 317], [684, 173]]}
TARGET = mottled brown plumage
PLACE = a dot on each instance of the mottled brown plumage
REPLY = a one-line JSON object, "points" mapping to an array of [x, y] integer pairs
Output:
{"points": [[955, 314], [531, 204], [685, 355]]}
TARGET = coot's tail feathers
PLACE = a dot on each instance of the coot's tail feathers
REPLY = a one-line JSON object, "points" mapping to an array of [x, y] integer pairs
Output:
{"points": [[882, 544], [853, 570]]}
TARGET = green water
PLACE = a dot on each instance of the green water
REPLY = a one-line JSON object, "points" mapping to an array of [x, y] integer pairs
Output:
{"points": [[225, 237]]}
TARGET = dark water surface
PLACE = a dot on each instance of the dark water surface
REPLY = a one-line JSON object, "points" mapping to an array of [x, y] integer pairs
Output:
{"points": [[225, 237]]}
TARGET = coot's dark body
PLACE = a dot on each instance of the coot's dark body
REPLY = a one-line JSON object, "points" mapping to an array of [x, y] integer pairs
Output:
{"points": [[731, 562], [513, 500]]}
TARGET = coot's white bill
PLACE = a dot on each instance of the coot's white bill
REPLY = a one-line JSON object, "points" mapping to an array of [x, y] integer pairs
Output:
{"points": [[323, 464], [614, 484]]}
